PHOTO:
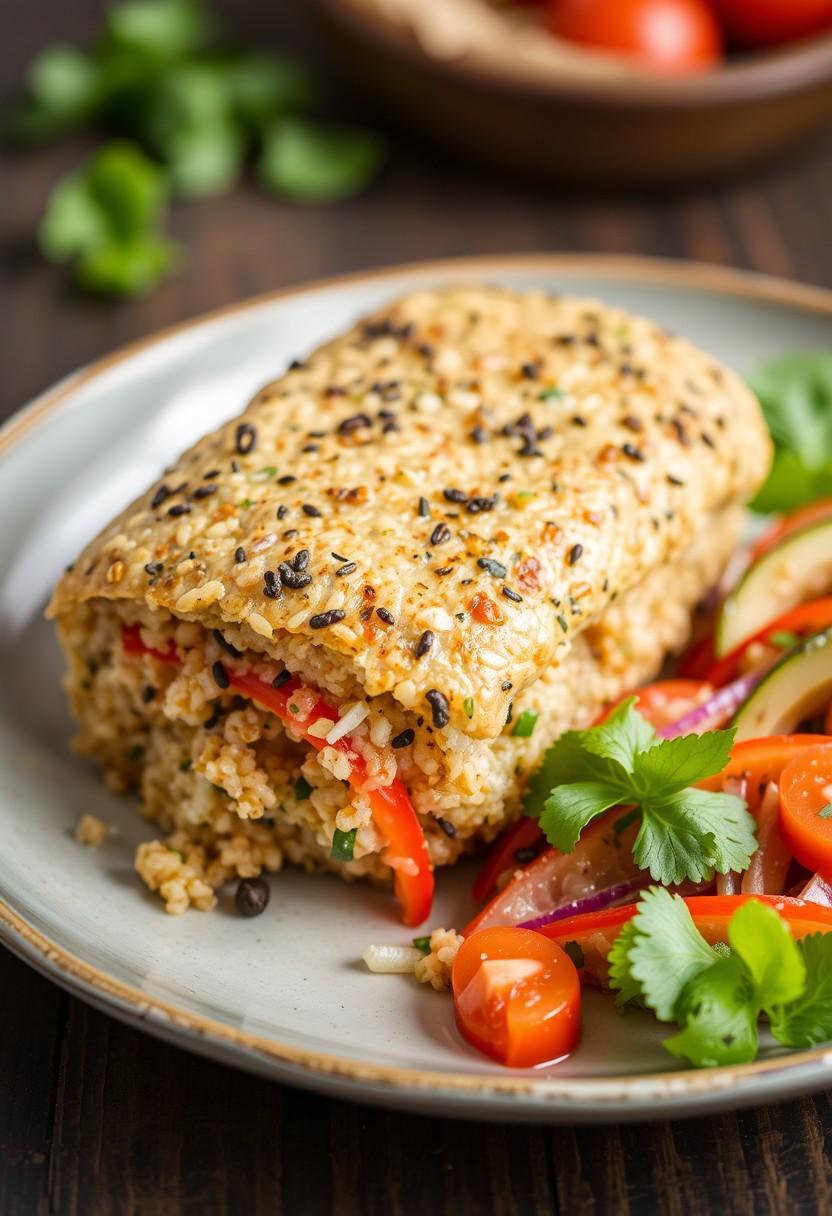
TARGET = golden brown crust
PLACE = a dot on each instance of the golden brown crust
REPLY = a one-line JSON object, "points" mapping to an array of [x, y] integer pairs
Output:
{"points": [[496, 467]]}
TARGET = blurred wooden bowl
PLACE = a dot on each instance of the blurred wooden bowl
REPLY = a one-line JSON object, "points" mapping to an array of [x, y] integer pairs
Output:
{"points": [[616, 130]]}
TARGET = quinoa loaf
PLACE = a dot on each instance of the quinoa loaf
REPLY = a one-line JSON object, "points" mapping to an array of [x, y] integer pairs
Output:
{"points": [[475, 508]]}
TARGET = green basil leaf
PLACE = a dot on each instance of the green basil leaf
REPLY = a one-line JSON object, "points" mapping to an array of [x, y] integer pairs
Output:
{"points": [[309, 162]]}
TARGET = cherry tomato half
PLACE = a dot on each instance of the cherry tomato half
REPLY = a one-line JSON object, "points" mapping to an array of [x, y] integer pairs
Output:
{"points": [[806, 808], [666, 701], [673, 36], [767, 22], [517, 997]]}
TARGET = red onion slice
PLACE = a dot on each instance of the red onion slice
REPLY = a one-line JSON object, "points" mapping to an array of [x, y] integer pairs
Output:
{"points": [[620, 893], [817, 891], [720, 707]]}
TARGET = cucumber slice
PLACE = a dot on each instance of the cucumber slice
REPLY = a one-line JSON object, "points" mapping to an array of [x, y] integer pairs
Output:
{"points": [[797, 570], [797, 687]]}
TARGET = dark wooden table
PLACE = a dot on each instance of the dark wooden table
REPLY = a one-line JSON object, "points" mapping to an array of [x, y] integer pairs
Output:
{"points": [[96, 1118]]}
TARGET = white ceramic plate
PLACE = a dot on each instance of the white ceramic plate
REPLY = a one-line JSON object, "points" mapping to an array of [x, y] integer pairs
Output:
{"points": [[286, 995]]}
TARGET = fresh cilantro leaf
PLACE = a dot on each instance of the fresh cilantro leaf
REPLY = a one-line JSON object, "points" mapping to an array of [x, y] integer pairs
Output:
{"points": [[685, 833], [796, 395], [620, 978], [62, 93], [674, 764], [661, 952], [807, 1020], [569, 808], [315, 163], [718, 1016], [621, 736], [160, 29], [693, 834], [106, 218], [763, 941], [263, 87]]}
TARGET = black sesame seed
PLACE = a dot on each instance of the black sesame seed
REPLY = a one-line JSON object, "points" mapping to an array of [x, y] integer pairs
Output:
{"points": [[479, 434], [210, 475], [450, 494], [239, 555], [322, 620], [282, 678], [148, 693], [386, 615], [530, 371], [301, 560], [443, 570], [440, 534], [235, 466], [347, 569], [512, 595], [220, 675], [211, 722], [296, 365], [574, 554], [424, 644], [506, 685], [286, 480], [179, 508], [404, 739], [227, 646], [271, 585], [476, 505], [632, 423], [293, 579], [309, 509], [154, 568], [252, 896], [674, 481], [632, 451], [707, 440], [339, 557], [290, 533], [388, 426], [355, 423], [440, 709], [311, 447], [578, 420], [492, 566], [159, 497], [245, 438], [204, 491], [424, 508], [282, 511]]}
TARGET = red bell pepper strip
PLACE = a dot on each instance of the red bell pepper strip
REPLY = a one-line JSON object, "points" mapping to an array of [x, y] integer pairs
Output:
{"points": [[523, 834], [812, 513], [803, 620], [393, 812], [595, 932]]}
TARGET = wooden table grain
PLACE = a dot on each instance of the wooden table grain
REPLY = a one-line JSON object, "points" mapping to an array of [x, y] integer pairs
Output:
{"points": [[96, 1118]]}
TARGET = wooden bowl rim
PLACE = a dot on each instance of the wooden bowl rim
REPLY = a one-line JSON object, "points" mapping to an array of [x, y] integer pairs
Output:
{"points": [[795, 68]]}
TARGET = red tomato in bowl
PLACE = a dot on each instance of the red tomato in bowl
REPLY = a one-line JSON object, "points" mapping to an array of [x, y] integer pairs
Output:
{"points": [[767, 22], [668, 35]]}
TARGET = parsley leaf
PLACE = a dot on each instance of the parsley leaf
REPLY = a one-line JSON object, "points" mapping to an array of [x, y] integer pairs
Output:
{"points": [[796, 395], [106, 220], [685, 833], [763, 941], [718, 1016], [807, 1020], [661, 951], [311, 162]]}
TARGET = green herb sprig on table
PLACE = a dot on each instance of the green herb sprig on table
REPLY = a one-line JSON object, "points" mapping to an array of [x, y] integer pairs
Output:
{"points": [[685, 833], [188, 111], [717, 994], [795, 392]]}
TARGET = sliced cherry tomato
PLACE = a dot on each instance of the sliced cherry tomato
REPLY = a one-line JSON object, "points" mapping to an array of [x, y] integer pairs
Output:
{"points": [[806, 808], [760, 761], [393, 812], [517, 997], [801, 621], [812, 513], [667, 35], [767, 22], [602, 858], [594, 933], [524, 834], [665, 701]]}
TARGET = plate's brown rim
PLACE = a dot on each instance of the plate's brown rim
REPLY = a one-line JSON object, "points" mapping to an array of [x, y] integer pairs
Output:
{"points": [[762, 76], [602, 1094]]}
